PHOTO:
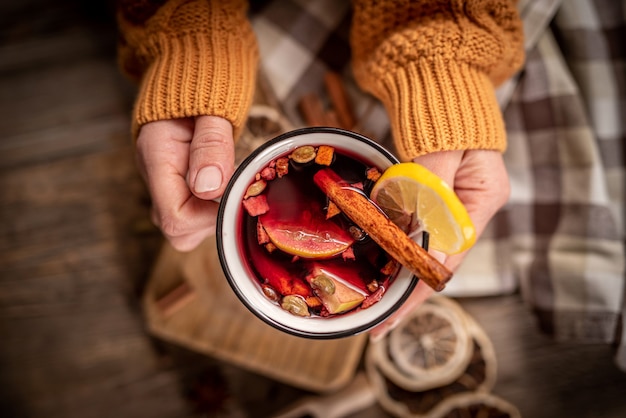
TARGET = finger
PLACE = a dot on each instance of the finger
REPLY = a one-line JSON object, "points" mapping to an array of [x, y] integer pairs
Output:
{"points": [[163, 152], [149, 146], [188, 241], [211, 157], [186, 228]]}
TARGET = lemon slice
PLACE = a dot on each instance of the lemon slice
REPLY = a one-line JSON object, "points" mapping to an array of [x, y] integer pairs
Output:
{"points": [[416, 200]]}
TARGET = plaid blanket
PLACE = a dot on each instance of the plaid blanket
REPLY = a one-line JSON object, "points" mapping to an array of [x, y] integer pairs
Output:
{"points": [[560, 239]]}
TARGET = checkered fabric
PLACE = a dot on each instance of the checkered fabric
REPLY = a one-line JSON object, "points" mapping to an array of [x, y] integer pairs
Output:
{"points": [[560, 239], [299, 41]]}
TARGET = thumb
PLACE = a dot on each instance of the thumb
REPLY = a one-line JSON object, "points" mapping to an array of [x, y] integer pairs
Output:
{"points": [[211, 157]]}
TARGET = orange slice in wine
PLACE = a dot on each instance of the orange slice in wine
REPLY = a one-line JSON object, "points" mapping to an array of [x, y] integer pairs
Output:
{"points": [[309, 237]]}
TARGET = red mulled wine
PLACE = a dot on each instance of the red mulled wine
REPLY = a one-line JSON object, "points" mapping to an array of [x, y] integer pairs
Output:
{"points": [[308, 257]]}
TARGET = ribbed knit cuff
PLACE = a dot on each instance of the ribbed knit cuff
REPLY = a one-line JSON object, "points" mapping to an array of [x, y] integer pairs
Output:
{"points": [[436, 105], [193, 74]]}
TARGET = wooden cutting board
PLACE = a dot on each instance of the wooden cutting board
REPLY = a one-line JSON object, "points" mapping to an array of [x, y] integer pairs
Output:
{"points": [[210, 319]]}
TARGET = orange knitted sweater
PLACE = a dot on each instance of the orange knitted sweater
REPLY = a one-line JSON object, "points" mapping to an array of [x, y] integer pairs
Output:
{"points": [[434, 65]]}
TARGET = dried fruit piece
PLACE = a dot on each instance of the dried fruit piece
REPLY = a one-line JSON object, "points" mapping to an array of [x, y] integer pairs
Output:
{"points": [[323, 284], [332, 210], [374, 297], [348, 254], [256, 205], [282, 166], [285, 281], [261, 235], [343, 297], [358, 185], [356, 232], [389, 268], [303, 154], [270, 293], [373, 174], [268, 174], [255, 188], [373, 286], [325, 155], [295, 305], [313, 302]]}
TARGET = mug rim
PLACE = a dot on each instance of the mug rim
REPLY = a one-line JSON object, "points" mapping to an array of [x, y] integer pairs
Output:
{"points": [[229, 274]]}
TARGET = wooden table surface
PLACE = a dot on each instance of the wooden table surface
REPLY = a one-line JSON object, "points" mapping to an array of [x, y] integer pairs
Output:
{"points": [[77, 248]]}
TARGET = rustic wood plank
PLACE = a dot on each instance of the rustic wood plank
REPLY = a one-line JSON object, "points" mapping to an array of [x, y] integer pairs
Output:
{"points": [[217, 324], [73, 340]]}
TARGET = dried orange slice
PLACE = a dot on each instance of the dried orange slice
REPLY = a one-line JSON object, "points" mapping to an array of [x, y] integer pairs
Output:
{"points": [[418, 200], [429, 348], [433, 363], [476, 404]]}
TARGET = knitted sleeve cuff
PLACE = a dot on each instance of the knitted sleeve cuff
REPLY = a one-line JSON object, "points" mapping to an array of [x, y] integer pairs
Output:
{"points": [[195, 74], [441, 105]]}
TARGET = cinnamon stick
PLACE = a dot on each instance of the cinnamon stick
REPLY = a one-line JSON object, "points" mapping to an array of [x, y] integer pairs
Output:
{"points": [[384, 232], [312, 110], [175, 299], [331, 119], [339, 99]]}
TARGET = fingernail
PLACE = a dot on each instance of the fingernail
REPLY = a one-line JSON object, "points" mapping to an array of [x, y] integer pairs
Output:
{"points": [[209, 178]]}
